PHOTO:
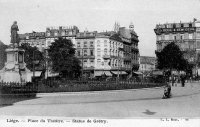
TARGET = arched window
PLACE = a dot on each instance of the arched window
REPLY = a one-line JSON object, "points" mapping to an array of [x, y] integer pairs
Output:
{"points": [[105, 51]]}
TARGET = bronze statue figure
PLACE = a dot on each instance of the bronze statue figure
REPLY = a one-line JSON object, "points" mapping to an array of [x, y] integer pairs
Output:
{"points": [[14, 35]]}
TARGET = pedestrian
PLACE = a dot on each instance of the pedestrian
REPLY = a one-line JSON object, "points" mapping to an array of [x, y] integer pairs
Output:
{"points": [[182, 80]]}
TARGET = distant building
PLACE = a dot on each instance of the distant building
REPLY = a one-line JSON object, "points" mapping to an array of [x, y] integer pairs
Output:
{"points": [[108, 53], [35, 39], [85, 51], [68, 32], [185, 34], [147, 64]]}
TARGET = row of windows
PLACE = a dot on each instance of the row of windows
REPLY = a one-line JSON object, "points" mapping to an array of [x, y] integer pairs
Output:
{"points": [[85, 44], [35, 43], [175, 37], [186, 45], [176, 25], [62, 33], [85, 52], [113, 63]]}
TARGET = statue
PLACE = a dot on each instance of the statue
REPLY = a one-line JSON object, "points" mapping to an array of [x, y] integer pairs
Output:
{"points": [[14, 35]]}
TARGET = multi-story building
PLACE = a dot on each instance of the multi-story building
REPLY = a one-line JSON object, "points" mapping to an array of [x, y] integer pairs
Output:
{"points": [[37, 39], [113, 52], [185, 34], [110, 53], [53, 33], [85, 51], [130, 47], [147, 64]]}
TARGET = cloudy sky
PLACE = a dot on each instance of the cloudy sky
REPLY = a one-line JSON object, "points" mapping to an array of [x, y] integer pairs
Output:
{"points": [[100, 15]]}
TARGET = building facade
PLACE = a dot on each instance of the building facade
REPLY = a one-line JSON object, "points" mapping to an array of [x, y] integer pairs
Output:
{"points": [[85, 51], [35, 39], [104, 53], [147, 64], [68, 32], [185, 35]]}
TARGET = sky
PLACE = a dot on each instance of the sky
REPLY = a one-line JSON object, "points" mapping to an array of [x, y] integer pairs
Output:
{"points": [[97, 15]]}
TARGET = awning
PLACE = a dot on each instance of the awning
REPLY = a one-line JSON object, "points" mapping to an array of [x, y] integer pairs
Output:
{"points": [[50, 74], [137, 73], [98, 73], [119, 72], [157, 73], [107, 73]]}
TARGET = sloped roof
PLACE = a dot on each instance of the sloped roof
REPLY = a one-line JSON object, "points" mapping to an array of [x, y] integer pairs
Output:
{"points": [[116, 37]]}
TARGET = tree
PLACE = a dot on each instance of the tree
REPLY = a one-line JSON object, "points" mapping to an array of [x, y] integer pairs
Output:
{"points": [[171, 58], [62, 56], [32, 54], [2, 54]]}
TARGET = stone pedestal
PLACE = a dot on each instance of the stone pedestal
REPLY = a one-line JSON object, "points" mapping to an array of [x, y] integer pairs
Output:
{"points": [[15, 68]]}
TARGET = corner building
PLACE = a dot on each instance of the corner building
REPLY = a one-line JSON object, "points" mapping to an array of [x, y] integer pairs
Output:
{"points": [[185, 35]]}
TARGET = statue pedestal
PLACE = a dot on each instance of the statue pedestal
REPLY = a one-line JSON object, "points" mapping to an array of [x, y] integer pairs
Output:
{"points": [[15, 68]]}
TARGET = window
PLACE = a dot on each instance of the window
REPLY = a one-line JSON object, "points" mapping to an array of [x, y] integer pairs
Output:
{"points": [[174, 37], [78, 44], [98, 62], [105, 51], [115, 63], [174, 25], [181, 37], [78, 52], [85, 63], [49, 43], [85, 52], [181, 25], [159, 38], [166, 37], [190, 36], [56, 34], [85, 44], [91, 44], [98, 43], [99, 53], [48, 34], [186, 36], [190, 25], [105, 43], [198, 35], [92, 63], [63, 33], [91, 52]]}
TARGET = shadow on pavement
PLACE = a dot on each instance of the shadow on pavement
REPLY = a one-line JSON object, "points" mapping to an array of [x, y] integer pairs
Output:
{"points": [[148, 112], [10, 99]]}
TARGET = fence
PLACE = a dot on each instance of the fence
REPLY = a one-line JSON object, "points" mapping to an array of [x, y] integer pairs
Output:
{"points": [[77, 86], [12, 88]]}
